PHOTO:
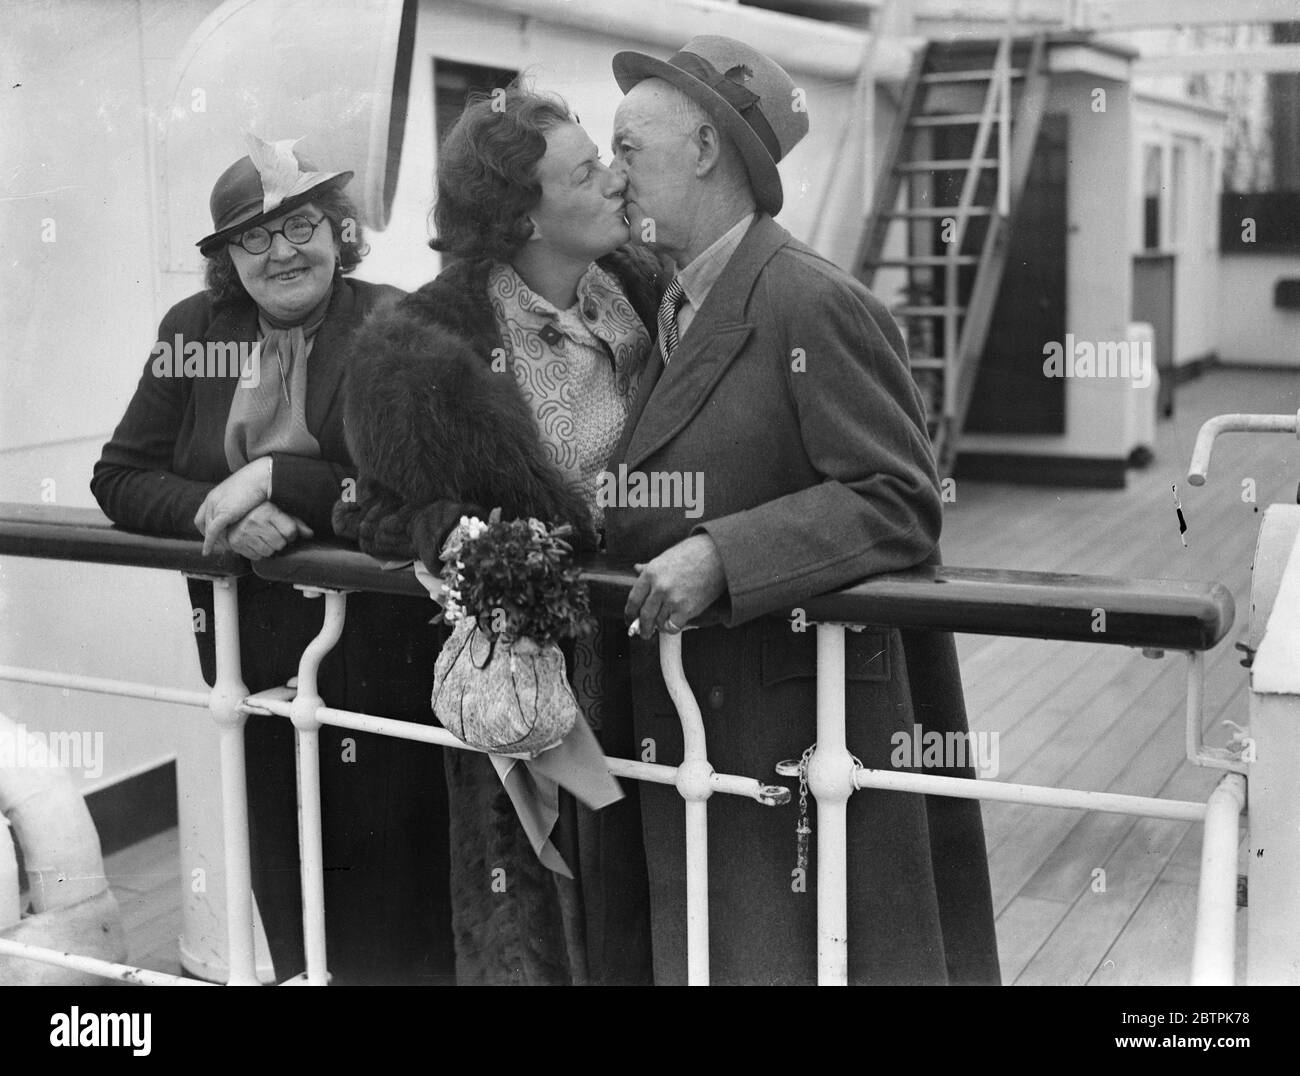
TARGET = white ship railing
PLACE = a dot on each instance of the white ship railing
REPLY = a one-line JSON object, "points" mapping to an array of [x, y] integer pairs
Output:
{"points": [[1152, 614]]}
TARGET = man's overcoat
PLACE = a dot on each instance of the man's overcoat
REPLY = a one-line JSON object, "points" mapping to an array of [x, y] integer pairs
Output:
{"points": [[790, 398]]}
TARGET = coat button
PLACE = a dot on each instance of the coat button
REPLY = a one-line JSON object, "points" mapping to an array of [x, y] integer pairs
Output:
{"points": [[716, 697]]}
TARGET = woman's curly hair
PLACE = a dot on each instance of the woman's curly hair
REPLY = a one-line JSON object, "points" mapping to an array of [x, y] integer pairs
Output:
{"points": [[222, 278], [487, 172]]}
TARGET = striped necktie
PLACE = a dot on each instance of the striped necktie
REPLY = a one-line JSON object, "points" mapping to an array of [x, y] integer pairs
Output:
{"points": [[668, 307]]}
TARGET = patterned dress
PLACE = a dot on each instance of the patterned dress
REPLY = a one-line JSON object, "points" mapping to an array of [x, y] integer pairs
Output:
{"points": [[577, 368]]}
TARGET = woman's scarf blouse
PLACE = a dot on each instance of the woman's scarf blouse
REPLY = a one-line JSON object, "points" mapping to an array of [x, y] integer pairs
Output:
{"points": [[577, 368]]}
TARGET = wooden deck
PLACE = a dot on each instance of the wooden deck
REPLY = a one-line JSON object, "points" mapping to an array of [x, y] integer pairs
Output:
{"points": [[1068, 715]]}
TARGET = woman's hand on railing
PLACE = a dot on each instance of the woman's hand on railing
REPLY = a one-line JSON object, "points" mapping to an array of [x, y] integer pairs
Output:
{"points": [[431, 524], [389, 529], [265, 531], [230, 501]]}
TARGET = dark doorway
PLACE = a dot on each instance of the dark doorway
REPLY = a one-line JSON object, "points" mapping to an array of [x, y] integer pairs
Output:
{"points": [[1153, 302], [453, 83], [1011, 394]]}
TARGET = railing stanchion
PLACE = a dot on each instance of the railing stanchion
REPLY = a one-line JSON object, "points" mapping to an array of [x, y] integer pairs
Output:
{"points": [[227, 693], [306, 725], [830, 780], [1215, 951], [695, 786]]}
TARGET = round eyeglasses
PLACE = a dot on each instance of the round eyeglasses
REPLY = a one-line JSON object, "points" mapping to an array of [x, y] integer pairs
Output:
{"points": [[298, 230]]}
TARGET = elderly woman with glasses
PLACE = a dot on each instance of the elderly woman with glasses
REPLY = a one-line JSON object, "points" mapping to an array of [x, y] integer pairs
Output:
{"points": [[249, 455]]}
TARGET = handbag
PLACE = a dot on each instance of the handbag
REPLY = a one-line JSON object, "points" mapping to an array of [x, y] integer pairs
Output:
{"points": [[504, 698]]}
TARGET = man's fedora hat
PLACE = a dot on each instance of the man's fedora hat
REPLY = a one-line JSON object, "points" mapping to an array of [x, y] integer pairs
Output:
{"points": [[270, 181], [751, 98]]}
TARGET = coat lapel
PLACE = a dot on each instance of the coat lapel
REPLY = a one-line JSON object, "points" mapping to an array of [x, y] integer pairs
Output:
{"points": [[325, 366], [672, 396], [235, 322]]}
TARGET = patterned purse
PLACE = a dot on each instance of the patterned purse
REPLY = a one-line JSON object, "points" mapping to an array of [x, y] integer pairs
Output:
{"points": [[505, 698]]}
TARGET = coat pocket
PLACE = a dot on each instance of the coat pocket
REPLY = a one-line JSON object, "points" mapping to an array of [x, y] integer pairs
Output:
{"points": [[791, 655]]}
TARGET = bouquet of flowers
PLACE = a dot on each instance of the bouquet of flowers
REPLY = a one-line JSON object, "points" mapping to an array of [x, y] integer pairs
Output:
{"points": [[512, 592]]}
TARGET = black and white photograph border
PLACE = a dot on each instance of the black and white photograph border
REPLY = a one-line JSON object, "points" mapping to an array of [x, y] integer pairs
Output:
{"points": [[973, 661]]}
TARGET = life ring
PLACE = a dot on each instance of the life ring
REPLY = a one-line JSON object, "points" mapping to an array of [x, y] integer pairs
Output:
{"points": [[73, 909]]}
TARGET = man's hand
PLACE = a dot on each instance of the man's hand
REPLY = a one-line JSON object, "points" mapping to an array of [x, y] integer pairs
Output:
{"points": [[230, 501], [676, 586], [264, 531]]}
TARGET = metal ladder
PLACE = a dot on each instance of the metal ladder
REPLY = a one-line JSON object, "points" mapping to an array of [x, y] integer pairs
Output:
{"points": [[946, 312]]}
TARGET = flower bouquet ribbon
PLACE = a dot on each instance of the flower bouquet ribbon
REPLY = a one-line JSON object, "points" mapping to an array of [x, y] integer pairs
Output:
{"points": [[511, 591]]}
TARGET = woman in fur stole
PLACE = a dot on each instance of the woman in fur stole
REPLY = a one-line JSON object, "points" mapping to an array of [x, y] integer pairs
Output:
{"points": [[506, 382]]}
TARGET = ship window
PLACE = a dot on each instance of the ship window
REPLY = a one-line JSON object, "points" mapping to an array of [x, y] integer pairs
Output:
{"points": [[453, 83]]}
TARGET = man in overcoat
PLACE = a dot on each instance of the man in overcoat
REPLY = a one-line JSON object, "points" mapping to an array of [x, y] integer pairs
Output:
{"points": [[781, 390]]}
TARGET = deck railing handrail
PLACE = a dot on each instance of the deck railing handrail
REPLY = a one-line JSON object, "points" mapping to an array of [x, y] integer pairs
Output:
{"points": [[1148, 613], [1153, 614]]}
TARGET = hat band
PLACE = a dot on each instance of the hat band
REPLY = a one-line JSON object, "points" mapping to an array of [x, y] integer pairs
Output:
{"points": [[739, 98], [239, 214]]}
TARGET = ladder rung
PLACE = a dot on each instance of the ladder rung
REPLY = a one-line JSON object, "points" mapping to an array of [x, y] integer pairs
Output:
{"points": [[958, 165], [928, 364], [930, 259], [941, 211], [926, 311], [977, 75], [953, 120]]}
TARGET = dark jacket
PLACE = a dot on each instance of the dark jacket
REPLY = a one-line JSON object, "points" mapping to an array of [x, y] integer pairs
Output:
{"points": [[437, 432], [168, 453], [383, 800], [790, 395]]}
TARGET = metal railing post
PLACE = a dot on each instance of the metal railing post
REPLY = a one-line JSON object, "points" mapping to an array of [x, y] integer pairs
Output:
{"points": [[695, 786], [307, 725], [1215, 951], [227, 693], [830, 780]]}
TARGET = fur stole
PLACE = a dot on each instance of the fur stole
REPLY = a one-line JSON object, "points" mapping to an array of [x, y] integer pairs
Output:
{"points": [[430, 423]]}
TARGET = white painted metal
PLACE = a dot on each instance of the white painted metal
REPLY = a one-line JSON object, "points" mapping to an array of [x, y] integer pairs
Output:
{"points": [[1214, 953], [105, 686], [1195, 695], [223, 704], [53, 827], [1006, 792], [10, 908], [832, 776], [1276, 668], [1003, 79], [1236, 423], [830, 780], [307, 733], [1109, 15], [694, 785], [107, 969], [1272, 941], [1136, 14], [1197, 752], [850, 181], [1281, 58], [795, 43], [656, 773]]}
